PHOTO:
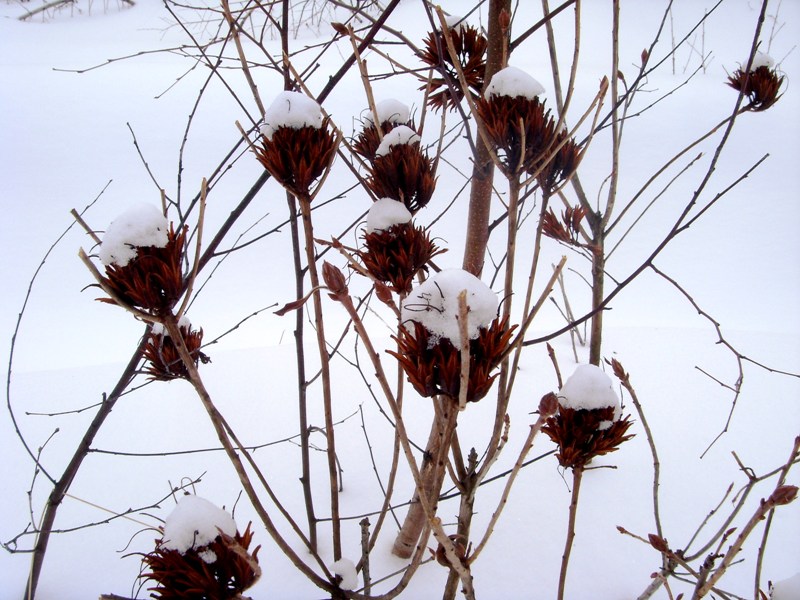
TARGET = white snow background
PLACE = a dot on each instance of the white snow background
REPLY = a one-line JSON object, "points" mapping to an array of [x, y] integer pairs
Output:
{"points": [[65, 136]]}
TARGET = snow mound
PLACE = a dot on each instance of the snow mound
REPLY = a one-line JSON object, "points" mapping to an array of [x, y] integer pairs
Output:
{"points": [[402, 134], [456, 22], [386, 212], [142, 225], [291, 109], [159, 329], [434, 304], [346, 569], [194, 523], [762, 59], [588, 388], [513, 82], [788, 589], [389, 111]]}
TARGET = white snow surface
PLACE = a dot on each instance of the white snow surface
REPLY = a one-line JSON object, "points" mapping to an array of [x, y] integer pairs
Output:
{"points": [[787, 589], [588, 388], [389, 111], [386, 212], [195, 522], [183, 323], [762, 59], [402, 134], [434, 304], [142, 225], [346, 569], [513, 82], [455, 21], [291, 109]]}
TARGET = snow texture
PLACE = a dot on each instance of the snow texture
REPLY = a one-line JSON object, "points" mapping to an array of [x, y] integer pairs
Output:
{"points": [[455, 22], [788, 589], [762, 59], [386, 212], [513, 82], [434, 304], [159, 329], [291, 109], [142, 225], [195, 522], [402, 134], [346, 569], [588, 388], [389, 111]]}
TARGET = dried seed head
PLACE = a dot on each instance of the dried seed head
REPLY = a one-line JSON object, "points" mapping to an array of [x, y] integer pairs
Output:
{"points": [[297, 156], [761, 85], [470, 46], [395, 255], [163, 360], [403, 173], [153, 279], [433, 364], [220, 570]]}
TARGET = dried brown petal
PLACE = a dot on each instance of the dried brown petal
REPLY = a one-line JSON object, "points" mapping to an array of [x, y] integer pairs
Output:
{"points": [[761, 86]]}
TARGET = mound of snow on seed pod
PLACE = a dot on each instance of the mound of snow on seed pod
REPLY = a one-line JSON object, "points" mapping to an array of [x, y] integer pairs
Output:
{"points": [[291, 109], [386, 212], [434, 304], [389, 111], [402, 134], [142, 225], [195, 522], [456, 22], [589, 388], [762, 59], [513, 82], [159, 329], [346, 569]]}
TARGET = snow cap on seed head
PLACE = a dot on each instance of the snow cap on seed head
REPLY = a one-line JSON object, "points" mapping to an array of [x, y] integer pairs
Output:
{"points": [[589, 388], [389, 111], [195, 522], [386, 212], [434, 304], [402, 134], [291, 109], [142, 225], [513, 82]]}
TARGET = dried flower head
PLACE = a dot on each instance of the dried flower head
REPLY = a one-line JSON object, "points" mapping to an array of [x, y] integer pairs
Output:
{"points": [[152, 280], [551, 174], [580, 435], [390, 113], [219, 570], [459, 546], [403, 173], [297, 156], [511, 122], [395, 255], [470, 46], [163, 360], [568, 228], [433, 364], [761, 85]]}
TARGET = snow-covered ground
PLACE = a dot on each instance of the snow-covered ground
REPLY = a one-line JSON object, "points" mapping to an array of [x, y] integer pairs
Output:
{"points": [[67, 135]]}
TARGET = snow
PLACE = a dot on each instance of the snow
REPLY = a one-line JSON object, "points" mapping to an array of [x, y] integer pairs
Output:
{"points": [[513, 82], [195, 522], [159, 329], [434, 304], [142, 225], [402, 134], [455, 21], [389, 111], [788, 589], [588, 388], [346, 569], [762, 59], [386, 212], [291, 109]]}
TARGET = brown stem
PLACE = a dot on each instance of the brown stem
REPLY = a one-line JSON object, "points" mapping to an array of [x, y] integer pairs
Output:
{"points": [[598, 284], [305, 210], [483, 168], [577, 475]]}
